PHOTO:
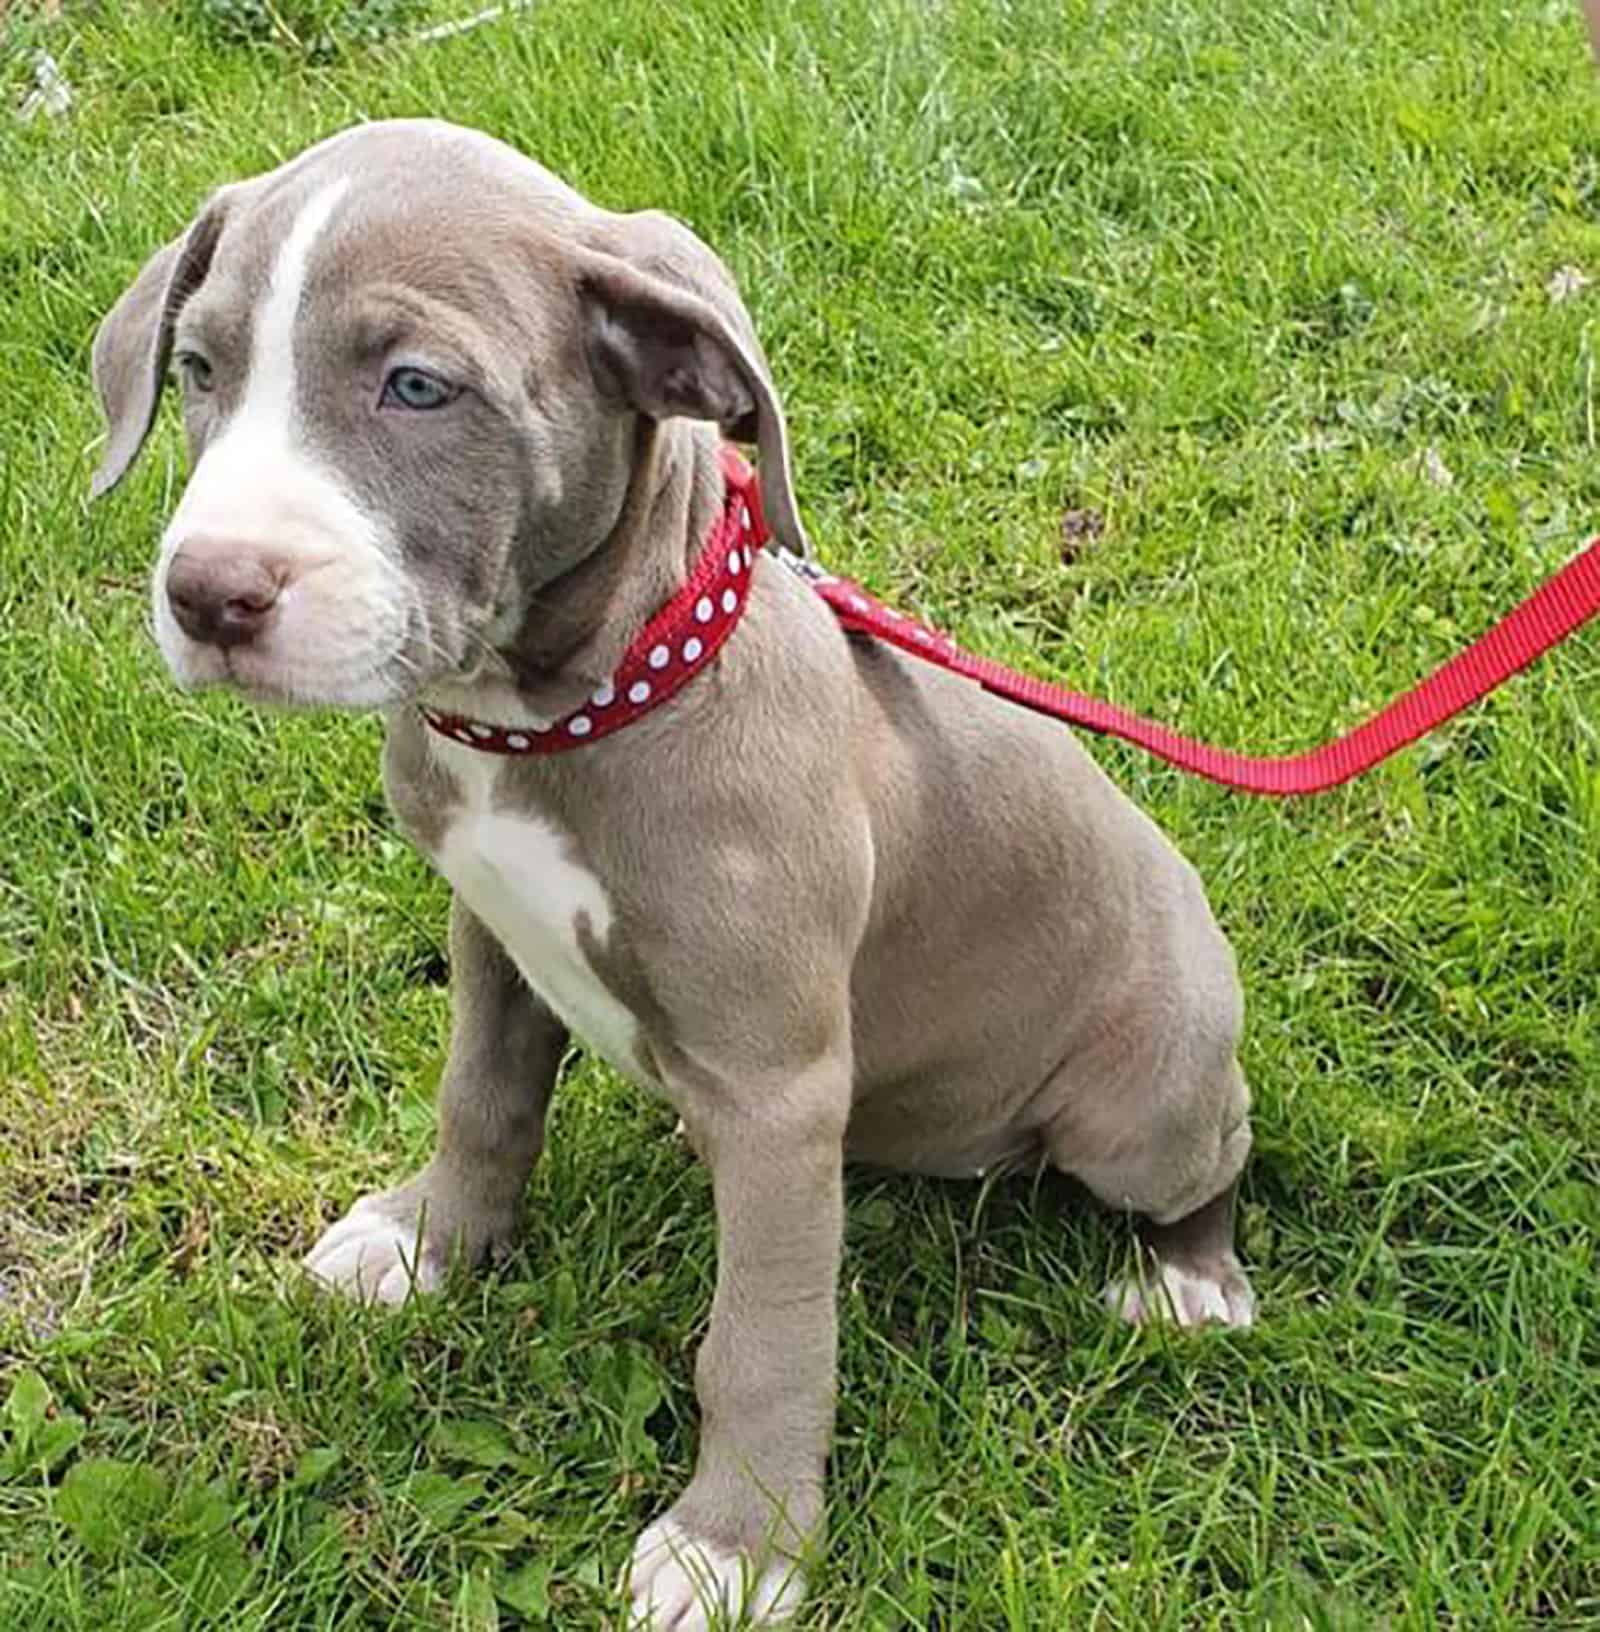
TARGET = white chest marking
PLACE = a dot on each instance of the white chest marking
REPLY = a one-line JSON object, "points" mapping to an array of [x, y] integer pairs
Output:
{"points": [[518, 875]]}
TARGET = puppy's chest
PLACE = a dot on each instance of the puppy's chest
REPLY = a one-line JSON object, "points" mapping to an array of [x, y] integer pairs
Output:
{"points": [[523, 880]]}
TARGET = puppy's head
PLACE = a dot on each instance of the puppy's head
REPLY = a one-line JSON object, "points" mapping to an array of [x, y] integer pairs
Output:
{"points": [[413, 366]]}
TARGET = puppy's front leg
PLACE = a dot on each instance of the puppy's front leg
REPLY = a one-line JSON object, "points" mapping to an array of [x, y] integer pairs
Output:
{"points": [[765, 1372], [505, 1051]]}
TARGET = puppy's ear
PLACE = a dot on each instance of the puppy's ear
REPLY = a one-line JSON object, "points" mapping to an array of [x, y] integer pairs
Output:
{"points": [[667, 335], [667, 354], [133, 343]]}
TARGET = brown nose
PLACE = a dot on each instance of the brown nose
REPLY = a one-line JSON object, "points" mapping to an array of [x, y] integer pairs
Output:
{"points": [[222, 594]]}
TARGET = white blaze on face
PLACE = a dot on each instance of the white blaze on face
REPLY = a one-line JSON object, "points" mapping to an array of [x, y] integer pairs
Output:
{"points": [[262, 490]]}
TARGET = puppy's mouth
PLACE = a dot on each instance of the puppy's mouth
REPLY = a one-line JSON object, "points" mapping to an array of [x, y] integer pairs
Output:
{"points": [[301, 653], [272, 683], [266, 676]]}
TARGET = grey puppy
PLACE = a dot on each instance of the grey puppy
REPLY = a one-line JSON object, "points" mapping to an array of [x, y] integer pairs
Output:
{"points": [[455, 436]]}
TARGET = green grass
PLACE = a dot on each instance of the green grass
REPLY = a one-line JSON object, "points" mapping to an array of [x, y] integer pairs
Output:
{"points": [[1235, 276]]}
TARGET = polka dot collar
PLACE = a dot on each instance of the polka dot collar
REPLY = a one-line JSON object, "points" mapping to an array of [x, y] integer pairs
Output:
{"points": [[677, 643], [685, 634]]}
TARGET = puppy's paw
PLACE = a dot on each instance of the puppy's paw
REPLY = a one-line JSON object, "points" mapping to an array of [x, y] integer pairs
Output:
{"points": [[680, 1584], [1189, 1296], [376, 1254]]}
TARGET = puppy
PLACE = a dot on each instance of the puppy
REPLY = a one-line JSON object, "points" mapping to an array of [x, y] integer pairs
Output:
{"points": [[458, 449]]}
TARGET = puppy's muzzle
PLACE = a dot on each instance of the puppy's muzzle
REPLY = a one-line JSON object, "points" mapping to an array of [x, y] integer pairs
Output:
{"points": [[223, 593]]}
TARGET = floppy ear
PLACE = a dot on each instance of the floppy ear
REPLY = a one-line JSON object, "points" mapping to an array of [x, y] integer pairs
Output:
{"points": [[132, 344], [667, 334]]}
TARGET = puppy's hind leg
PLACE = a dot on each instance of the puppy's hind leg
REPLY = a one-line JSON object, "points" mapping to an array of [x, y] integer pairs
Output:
{"points": [[1188, 1271], [1172, 1155]]}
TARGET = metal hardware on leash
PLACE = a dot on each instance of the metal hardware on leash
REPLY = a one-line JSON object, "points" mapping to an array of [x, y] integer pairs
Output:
{"points": [[812, 571]]}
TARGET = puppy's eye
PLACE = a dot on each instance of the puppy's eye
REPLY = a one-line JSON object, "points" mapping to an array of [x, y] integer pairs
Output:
{"points": [[418, 389], [195, 369]]}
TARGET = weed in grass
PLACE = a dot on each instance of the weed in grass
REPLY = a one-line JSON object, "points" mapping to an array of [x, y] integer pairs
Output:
{"points": [[316, 29]]}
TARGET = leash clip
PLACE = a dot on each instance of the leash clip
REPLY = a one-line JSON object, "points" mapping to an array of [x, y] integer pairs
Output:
{"points": [[813, 572]]}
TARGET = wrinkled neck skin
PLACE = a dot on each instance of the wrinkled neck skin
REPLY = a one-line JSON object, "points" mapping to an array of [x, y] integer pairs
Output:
{"points": [[550, 647]]}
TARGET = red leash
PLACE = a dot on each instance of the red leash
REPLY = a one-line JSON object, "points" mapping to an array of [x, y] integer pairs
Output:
{"points": [[683, 637], [1565, 603]]}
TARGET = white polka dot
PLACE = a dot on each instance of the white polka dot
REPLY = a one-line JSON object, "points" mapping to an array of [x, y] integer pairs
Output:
{"points": [[463, 733], [639, 692], [480, 731], [580, 725], [659, 657], [858, 602], [747, 555], [605, 696], [729, 600], [692, 648], [539, 727], [516, 740], [703, 609], [734, 563], [923, 636]]}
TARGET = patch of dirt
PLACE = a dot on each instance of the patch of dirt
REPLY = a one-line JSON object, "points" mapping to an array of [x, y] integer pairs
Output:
{"points": [[1080, 530]]}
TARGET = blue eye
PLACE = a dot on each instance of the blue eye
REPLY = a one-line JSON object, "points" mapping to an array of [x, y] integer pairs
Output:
{"points": [[416, 388], [196, 370]]}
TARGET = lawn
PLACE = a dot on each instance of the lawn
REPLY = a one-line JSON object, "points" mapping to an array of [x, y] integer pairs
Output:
{"points": [[1234, 360]]}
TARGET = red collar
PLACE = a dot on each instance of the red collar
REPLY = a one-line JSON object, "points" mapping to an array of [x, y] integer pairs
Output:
{"points": [[684, 636], [672, 648]]}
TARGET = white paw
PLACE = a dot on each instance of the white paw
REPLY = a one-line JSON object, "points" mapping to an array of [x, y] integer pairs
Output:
{"points": [[682, 1585], [1189, 1299], [372, 1257]]}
